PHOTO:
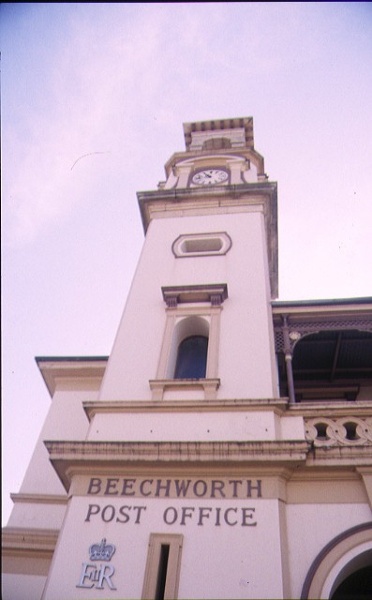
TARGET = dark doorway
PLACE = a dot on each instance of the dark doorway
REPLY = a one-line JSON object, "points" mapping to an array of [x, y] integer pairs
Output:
{"points": [[358, 586]]}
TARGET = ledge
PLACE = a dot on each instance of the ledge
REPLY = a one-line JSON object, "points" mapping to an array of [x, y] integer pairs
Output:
{"points": [[160, 386], [92, 407], [38, 499], [24, 539], [55, 369], [332, 408], [28, 551], [340, 456], [70, 458]]}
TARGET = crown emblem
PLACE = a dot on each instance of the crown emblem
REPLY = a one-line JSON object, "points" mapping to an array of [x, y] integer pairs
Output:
{"points": [[101, 551]]}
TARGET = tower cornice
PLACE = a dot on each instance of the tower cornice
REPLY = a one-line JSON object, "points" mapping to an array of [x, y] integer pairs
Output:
{"points": [[220, 125]]}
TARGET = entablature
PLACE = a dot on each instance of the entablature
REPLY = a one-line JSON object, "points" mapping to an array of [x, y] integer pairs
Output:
{"points": [[69, 458]]}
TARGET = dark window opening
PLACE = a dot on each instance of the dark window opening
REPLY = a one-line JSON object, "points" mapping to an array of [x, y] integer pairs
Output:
{"points": [[162, 572], [351, 433], [322, 431], [192, 358], [357, 586], [329, 365]]}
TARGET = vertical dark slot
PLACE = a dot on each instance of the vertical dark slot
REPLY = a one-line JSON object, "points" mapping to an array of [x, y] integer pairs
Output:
{"points": [[162, 572]]}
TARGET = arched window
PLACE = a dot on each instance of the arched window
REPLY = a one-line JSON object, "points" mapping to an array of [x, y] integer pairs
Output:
{"points": [[191, 360]]}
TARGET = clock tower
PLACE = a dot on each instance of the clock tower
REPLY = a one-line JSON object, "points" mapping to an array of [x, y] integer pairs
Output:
{"points": [[217, 152], [189, 463], [166, 475], [208, 268]]}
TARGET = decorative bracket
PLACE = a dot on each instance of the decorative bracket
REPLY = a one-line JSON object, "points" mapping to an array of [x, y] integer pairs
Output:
{"points": [[182, 294]]}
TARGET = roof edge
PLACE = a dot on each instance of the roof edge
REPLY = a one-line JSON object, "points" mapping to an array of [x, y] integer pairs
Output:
{"points": [[322, 302]]}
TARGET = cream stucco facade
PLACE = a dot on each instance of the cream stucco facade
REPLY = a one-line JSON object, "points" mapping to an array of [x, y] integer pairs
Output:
{"points": [[224, 448]]}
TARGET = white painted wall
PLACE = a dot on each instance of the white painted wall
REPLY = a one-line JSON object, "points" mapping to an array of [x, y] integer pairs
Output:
{"points": [[41, 515], [66, 420], [246, 362], [245, 561], [16, 586], [311, 527], [195, 426]]}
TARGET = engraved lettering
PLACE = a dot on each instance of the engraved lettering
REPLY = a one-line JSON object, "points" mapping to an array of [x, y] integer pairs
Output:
{"points": [[235, 483], [200, 490], [251, 487], [204, 513], [182, 487], [170, 515], [108, 513], [227, 512], [176, 488], [247, 513], [139, 510], [218, 486], [142, 486], [94, 485], [187, 511], [111, 483], [93, 509], [161, 486], [124, 514], [127, 489]]}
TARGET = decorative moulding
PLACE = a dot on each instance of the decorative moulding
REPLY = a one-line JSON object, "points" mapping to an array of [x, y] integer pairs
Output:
{"points": [[213, 293], [201, 244], [160, 386]]}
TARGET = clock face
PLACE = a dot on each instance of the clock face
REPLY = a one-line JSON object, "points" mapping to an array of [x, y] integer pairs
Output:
{"points": [[210, 177]]}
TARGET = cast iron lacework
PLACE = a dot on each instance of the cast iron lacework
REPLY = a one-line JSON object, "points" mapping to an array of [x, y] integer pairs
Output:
{"points": [[316, 327], [326, 359]]}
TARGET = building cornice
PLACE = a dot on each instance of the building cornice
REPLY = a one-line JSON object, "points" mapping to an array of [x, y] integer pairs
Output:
{"points": [[87, 369], [219, 125], [151, 202], [340, 456], [69, 458], [359, 309], [332, 408], [329, 304]]}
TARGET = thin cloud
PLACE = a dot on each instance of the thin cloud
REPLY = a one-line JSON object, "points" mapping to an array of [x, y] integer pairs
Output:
{"points": [[85, 155]]}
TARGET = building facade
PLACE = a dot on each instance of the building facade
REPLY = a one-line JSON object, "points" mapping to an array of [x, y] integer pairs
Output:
{"points": [[224, 448]]}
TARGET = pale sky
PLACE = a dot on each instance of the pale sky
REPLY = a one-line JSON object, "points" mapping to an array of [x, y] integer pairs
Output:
{"points": [[93, 101]]}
